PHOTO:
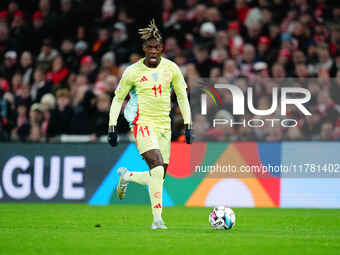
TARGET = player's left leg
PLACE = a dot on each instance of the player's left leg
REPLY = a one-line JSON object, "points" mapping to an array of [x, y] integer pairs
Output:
{"points": [[164, 139], [155, 162], [153, 178], [158, 163], [148, 145]]}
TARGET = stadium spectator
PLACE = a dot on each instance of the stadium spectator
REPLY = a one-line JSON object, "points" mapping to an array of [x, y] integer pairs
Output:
{"points": [[102, 116], [327, 131], [40, 86], [26, 67], [47, 54], [59, 72], [10, 65], [38, 32], [61, 116]]}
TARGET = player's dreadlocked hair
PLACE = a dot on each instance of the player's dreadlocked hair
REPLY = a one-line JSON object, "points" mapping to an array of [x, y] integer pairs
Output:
{"points": [[150, 32]]}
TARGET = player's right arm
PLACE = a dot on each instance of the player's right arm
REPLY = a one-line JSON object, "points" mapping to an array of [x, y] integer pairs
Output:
{"points": [[124, 86]]}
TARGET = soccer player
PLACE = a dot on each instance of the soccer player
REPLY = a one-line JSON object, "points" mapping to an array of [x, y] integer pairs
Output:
{"points": [[149, 83]]}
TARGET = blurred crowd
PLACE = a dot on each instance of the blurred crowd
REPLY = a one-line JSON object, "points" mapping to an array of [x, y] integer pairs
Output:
{"points": [[60, 62]]}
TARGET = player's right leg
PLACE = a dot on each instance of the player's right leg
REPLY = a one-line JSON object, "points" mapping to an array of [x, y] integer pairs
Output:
{"points": [[146, 140], [123, 174]]}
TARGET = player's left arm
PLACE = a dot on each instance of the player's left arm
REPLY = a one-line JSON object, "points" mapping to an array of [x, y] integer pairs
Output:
{"points": [[180, 87]]}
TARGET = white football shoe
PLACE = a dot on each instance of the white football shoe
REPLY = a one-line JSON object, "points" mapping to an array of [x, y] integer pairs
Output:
{"points": [[158, 225], [123, 174]]}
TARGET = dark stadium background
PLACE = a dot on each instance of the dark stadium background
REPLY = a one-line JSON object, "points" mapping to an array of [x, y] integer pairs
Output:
{"points": [[89, 43], [60, 62]]}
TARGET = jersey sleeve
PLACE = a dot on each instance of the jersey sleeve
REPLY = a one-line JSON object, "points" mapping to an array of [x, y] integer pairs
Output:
{"points": [[180, 86], [123, 88]]}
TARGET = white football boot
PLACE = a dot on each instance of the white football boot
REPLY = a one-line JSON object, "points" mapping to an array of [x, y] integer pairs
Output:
{"points": [[123, 174], [158, 225]]}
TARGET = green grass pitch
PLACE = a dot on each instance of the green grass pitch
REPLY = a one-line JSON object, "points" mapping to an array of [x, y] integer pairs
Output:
{"points": [[82, 229]]}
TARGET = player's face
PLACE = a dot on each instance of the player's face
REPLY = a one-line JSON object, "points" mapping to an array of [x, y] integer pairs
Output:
{"points": [[152, 50]]}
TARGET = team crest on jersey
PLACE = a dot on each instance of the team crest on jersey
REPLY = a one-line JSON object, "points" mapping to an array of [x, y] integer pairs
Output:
{"points": [[155, 76], [167, 76]]}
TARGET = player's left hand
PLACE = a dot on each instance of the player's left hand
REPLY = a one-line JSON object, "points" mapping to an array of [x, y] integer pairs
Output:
{"points": [[188, 134]]}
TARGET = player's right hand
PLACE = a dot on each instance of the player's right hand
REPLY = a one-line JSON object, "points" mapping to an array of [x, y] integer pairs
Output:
{"points": [[112, 136]]}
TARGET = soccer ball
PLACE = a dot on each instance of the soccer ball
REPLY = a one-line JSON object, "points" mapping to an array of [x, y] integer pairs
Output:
{"points": [[222, 218]]}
